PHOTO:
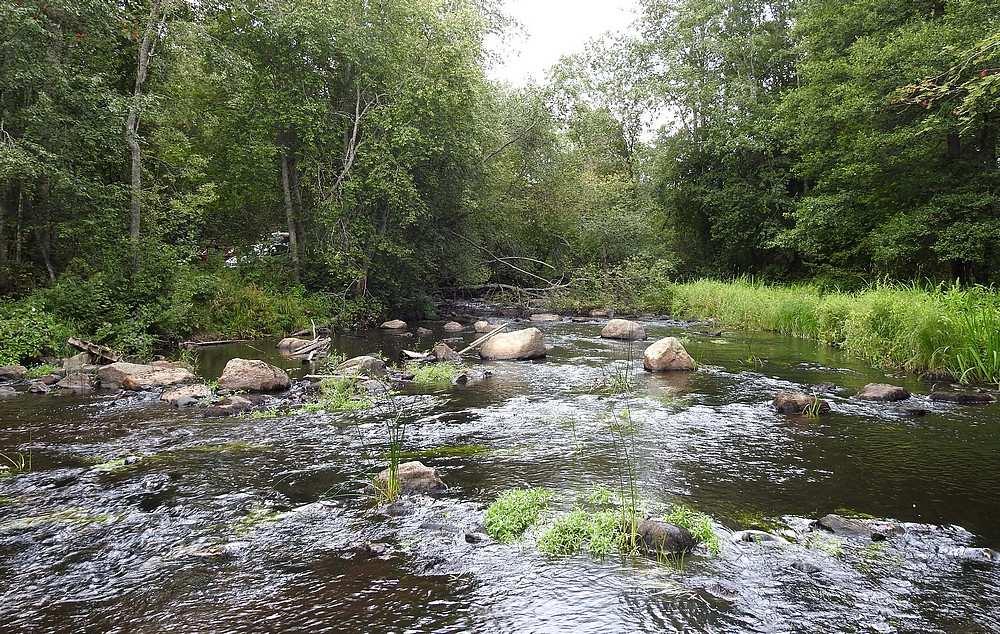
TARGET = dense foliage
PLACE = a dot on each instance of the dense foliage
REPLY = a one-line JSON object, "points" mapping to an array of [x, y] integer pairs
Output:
{"points": [[171, 169]]}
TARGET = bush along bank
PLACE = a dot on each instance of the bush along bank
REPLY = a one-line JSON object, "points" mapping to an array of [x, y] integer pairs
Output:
{"points": [[943, 330]]}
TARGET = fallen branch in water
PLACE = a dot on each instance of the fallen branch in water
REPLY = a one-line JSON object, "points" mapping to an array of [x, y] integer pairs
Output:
{"points": [[202, 344]]}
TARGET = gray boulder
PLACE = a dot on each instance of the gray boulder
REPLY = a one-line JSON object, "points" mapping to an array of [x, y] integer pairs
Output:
{"points": [[252, 375], [136, 376], [541, 317], [623, 329], [367, 365], [12, 372], [667, 355], [186, 395], [663, 538], [963, 398], [394, 324], [518, 345], [414, 477], [799, 403], [453, 326], [883, 392]]}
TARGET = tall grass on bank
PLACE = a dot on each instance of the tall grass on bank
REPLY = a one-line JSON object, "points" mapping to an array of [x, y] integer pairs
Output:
{"points": [[939, 329]]}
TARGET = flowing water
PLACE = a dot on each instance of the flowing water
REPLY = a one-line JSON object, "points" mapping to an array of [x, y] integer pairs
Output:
{"points": [[246, 524]]}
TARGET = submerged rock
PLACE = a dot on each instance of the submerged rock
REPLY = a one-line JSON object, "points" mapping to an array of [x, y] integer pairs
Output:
{"points": [[77, 383], [602, 312], [842, 526], [8, 392], [963, 398], [623, 329], [135, 376], [541, 317], [394, 324], [424, 332], [12, 372], [231, 406], [806, 566], [252, 375], [757, 537], [667, 355], [799, 403], [414, 477], [518, 345], [883, 392], [471, 376], [187, 395], [453, 326], [40, 387], [664, 538], [367, 365]]}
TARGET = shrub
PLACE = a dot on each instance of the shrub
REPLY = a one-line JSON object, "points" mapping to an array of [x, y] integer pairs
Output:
{"points": [[28, 331]]}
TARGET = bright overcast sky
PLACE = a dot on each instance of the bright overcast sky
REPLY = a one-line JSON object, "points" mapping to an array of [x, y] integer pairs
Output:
{"points": [[553, 28]]}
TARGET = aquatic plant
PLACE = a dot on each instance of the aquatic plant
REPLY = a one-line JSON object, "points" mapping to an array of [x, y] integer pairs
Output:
{"points": [[267, 414], [456, 451], [256, 516], [622, 431], [813, 409], [514, 512], [442, 373], [391, 411], [825, 543], [698, 523], [598, 533], [599, 496], [15, 463], [117, 464], [343, 394]]}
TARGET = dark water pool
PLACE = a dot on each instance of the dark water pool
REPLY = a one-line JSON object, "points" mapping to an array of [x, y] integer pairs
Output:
{"points": [[246, 525]]}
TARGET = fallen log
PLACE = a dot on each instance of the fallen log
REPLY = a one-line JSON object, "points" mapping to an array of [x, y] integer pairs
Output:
{"points": [[101, 353], [204, 344], [318, 344]]}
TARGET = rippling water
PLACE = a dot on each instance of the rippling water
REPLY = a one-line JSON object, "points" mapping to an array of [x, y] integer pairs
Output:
{"points": [[171, 543]]}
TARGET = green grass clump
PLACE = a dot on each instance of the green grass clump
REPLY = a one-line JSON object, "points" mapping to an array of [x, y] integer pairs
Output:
{"points": [[600, 534], [343, 395], [441, 373], [514, 512], [257, 516], [600, 496], [444, 452], [828, 544], [267, 414], [698, 523]]}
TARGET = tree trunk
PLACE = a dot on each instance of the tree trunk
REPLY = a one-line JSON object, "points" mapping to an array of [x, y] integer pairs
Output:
{"points": [[4, 264], [132, 127], [43, 233], [293, 242]]}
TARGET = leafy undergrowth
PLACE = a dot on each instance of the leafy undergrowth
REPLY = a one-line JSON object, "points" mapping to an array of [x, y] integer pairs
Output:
{"points": [[698, 523], [514, 512]]}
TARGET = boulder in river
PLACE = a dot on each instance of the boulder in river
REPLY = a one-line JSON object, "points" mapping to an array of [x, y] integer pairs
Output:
{"points": [[252, 375], [602, 312], [38, 387], [12, 372], [757, 537], [663, 538], [963, 398], [136, 376], [77, 362], [883, 392], [545, 317], [443, 352], [231, 406], [483, 327], [453, 326], [518, 345], [414, 477], [799, 403], [623, 329], [7, 391], [290, 344], [667, 355], [186, 395], [367, 365], [394, 324], [424, 332]]}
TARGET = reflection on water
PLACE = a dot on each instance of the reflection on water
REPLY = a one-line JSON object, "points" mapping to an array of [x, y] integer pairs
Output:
{"points": [[249, 525]]}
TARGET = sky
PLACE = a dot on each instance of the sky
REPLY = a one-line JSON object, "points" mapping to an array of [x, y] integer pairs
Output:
{"points": [[553, 28]]}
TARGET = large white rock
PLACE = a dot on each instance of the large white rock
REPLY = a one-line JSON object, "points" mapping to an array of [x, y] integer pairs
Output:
{"points": [[518, 345], [136, 376], [666, 355], [395, 324], [623, 329], [252, 375]]}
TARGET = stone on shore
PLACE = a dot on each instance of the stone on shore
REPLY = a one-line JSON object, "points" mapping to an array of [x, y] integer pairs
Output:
{"points": [[394, 324]]}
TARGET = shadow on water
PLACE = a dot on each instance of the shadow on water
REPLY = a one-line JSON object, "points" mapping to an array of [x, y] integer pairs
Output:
{"points": [[247, 525]]}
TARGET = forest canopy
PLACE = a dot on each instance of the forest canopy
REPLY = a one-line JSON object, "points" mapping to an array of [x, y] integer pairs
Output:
{"points": [[169, 168]]}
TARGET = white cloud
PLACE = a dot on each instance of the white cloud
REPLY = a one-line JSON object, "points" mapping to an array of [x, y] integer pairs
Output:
{"points": [[554, 28]]}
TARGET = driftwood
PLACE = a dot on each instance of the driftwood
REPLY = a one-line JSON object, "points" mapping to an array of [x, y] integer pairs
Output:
{"points": [[316, 345], [99, 352], [204, 344]]}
